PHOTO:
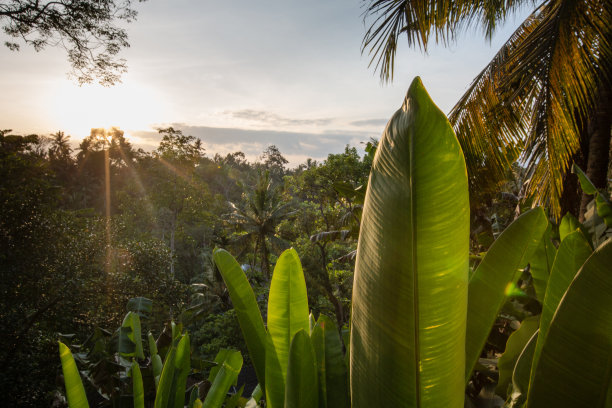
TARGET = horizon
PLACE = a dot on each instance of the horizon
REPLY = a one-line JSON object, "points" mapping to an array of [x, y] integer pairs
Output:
{"points": [[309, 92]]}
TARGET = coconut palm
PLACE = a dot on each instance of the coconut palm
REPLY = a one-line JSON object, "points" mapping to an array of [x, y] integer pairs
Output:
{"points": [[264, 209], [546, 94]]}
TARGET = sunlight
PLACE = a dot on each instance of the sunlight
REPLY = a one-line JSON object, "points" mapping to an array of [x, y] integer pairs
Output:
{"points": [[127, 106]]}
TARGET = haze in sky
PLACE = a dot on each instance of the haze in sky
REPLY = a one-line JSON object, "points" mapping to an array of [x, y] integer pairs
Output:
{"points": [[240, 75]]}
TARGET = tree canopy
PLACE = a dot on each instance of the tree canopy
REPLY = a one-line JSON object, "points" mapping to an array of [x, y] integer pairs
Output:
{"points": [[545, 94], [86, 29]]}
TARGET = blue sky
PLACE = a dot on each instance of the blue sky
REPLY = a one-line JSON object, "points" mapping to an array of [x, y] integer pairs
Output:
{"points": [[240, 75]]}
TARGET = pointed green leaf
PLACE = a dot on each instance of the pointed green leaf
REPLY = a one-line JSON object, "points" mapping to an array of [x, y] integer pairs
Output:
{"points": [[162, 398], [409, 296], [572, 254], [152, 344], [287, 305], [140, 305], [75, 392], [182, 366], [195, 394], [227, 375], [318, 344], [130, 337], [568, 224], [330, 362], [302, 388], [587, 185], [520, 376], [514, 346], [275, 380], [247, 309], [487, 288], [137, 387], [602, 203], [575, 362], [157, 365]]}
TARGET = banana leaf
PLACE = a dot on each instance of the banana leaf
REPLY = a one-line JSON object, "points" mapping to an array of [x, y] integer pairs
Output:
{"points": [[541, 263], [130, 338], [247, 310], [410, 284], [287, 314], [182, 366], [575, 363], [166, 378], [75, 392], [302, 388], [572, 254], [137, 387], [333, 384], [498, 269], [520, 376], [514, 346], [227, 375], [602, 203]]}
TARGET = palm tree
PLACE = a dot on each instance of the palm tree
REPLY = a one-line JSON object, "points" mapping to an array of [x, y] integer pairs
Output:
{"points": [[546, 94], [258, 219]]}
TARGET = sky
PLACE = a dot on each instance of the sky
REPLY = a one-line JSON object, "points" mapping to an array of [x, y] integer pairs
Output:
{"points": [[240, 75]]}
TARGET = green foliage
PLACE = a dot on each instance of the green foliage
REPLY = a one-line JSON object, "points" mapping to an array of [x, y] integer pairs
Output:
{"points": [[410, 289], [108, 370]]}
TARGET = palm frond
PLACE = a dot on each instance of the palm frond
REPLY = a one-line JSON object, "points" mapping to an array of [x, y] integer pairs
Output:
{"points": [[419, 20], [536, 91]]}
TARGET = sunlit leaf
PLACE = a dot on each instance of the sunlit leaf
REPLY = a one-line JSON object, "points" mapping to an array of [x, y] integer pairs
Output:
{"points": [[75, 393], [499, 268], [247, 309], [302, 388], [410, 285], [575, 361]]}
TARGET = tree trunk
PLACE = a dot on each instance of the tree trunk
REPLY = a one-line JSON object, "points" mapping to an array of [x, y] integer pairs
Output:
{"points": [[329, 291], [598, 133], [264, 262]]}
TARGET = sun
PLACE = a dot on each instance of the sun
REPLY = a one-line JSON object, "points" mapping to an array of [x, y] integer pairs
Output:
{"points": [[127, 106]]}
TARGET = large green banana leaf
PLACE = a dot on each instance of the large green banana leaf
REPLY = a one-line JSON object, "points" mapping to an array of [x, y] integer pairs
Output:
{"points": [[247, 310], [487, 288], [541, 262], [164, 388], [575, 363], [137, 386], [182, 366], [333, 385], [573, 251], [130, 336], [287, 314], [302, 388], [520, 376], [226, 376], [514, 346], [75, 393], [409, 297]]}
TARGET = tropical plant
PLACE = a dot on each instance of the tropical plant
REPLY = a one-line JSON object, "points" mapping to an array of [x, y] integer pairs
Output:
{"points": [[299, 362], [154, 384], [419, 323], [546, 92], [257, 220]]}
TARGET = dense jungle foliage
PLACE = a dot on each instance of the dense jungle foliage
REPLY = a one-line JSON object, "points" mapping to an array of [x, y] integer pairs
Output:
{"points": [[67, 269], [517, 323]]}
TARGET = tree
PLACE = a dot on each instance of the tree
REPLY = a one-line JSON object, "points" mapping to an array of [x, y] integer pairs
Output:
{"points": [[264, 209], [86, 29], [175, 187], [547, 93]]}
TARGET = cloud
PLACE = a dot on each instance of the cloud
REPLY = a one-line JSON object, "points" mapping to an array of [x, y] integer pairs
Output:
{"points": [[295, 146], [270, 118], [370, 122]]}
